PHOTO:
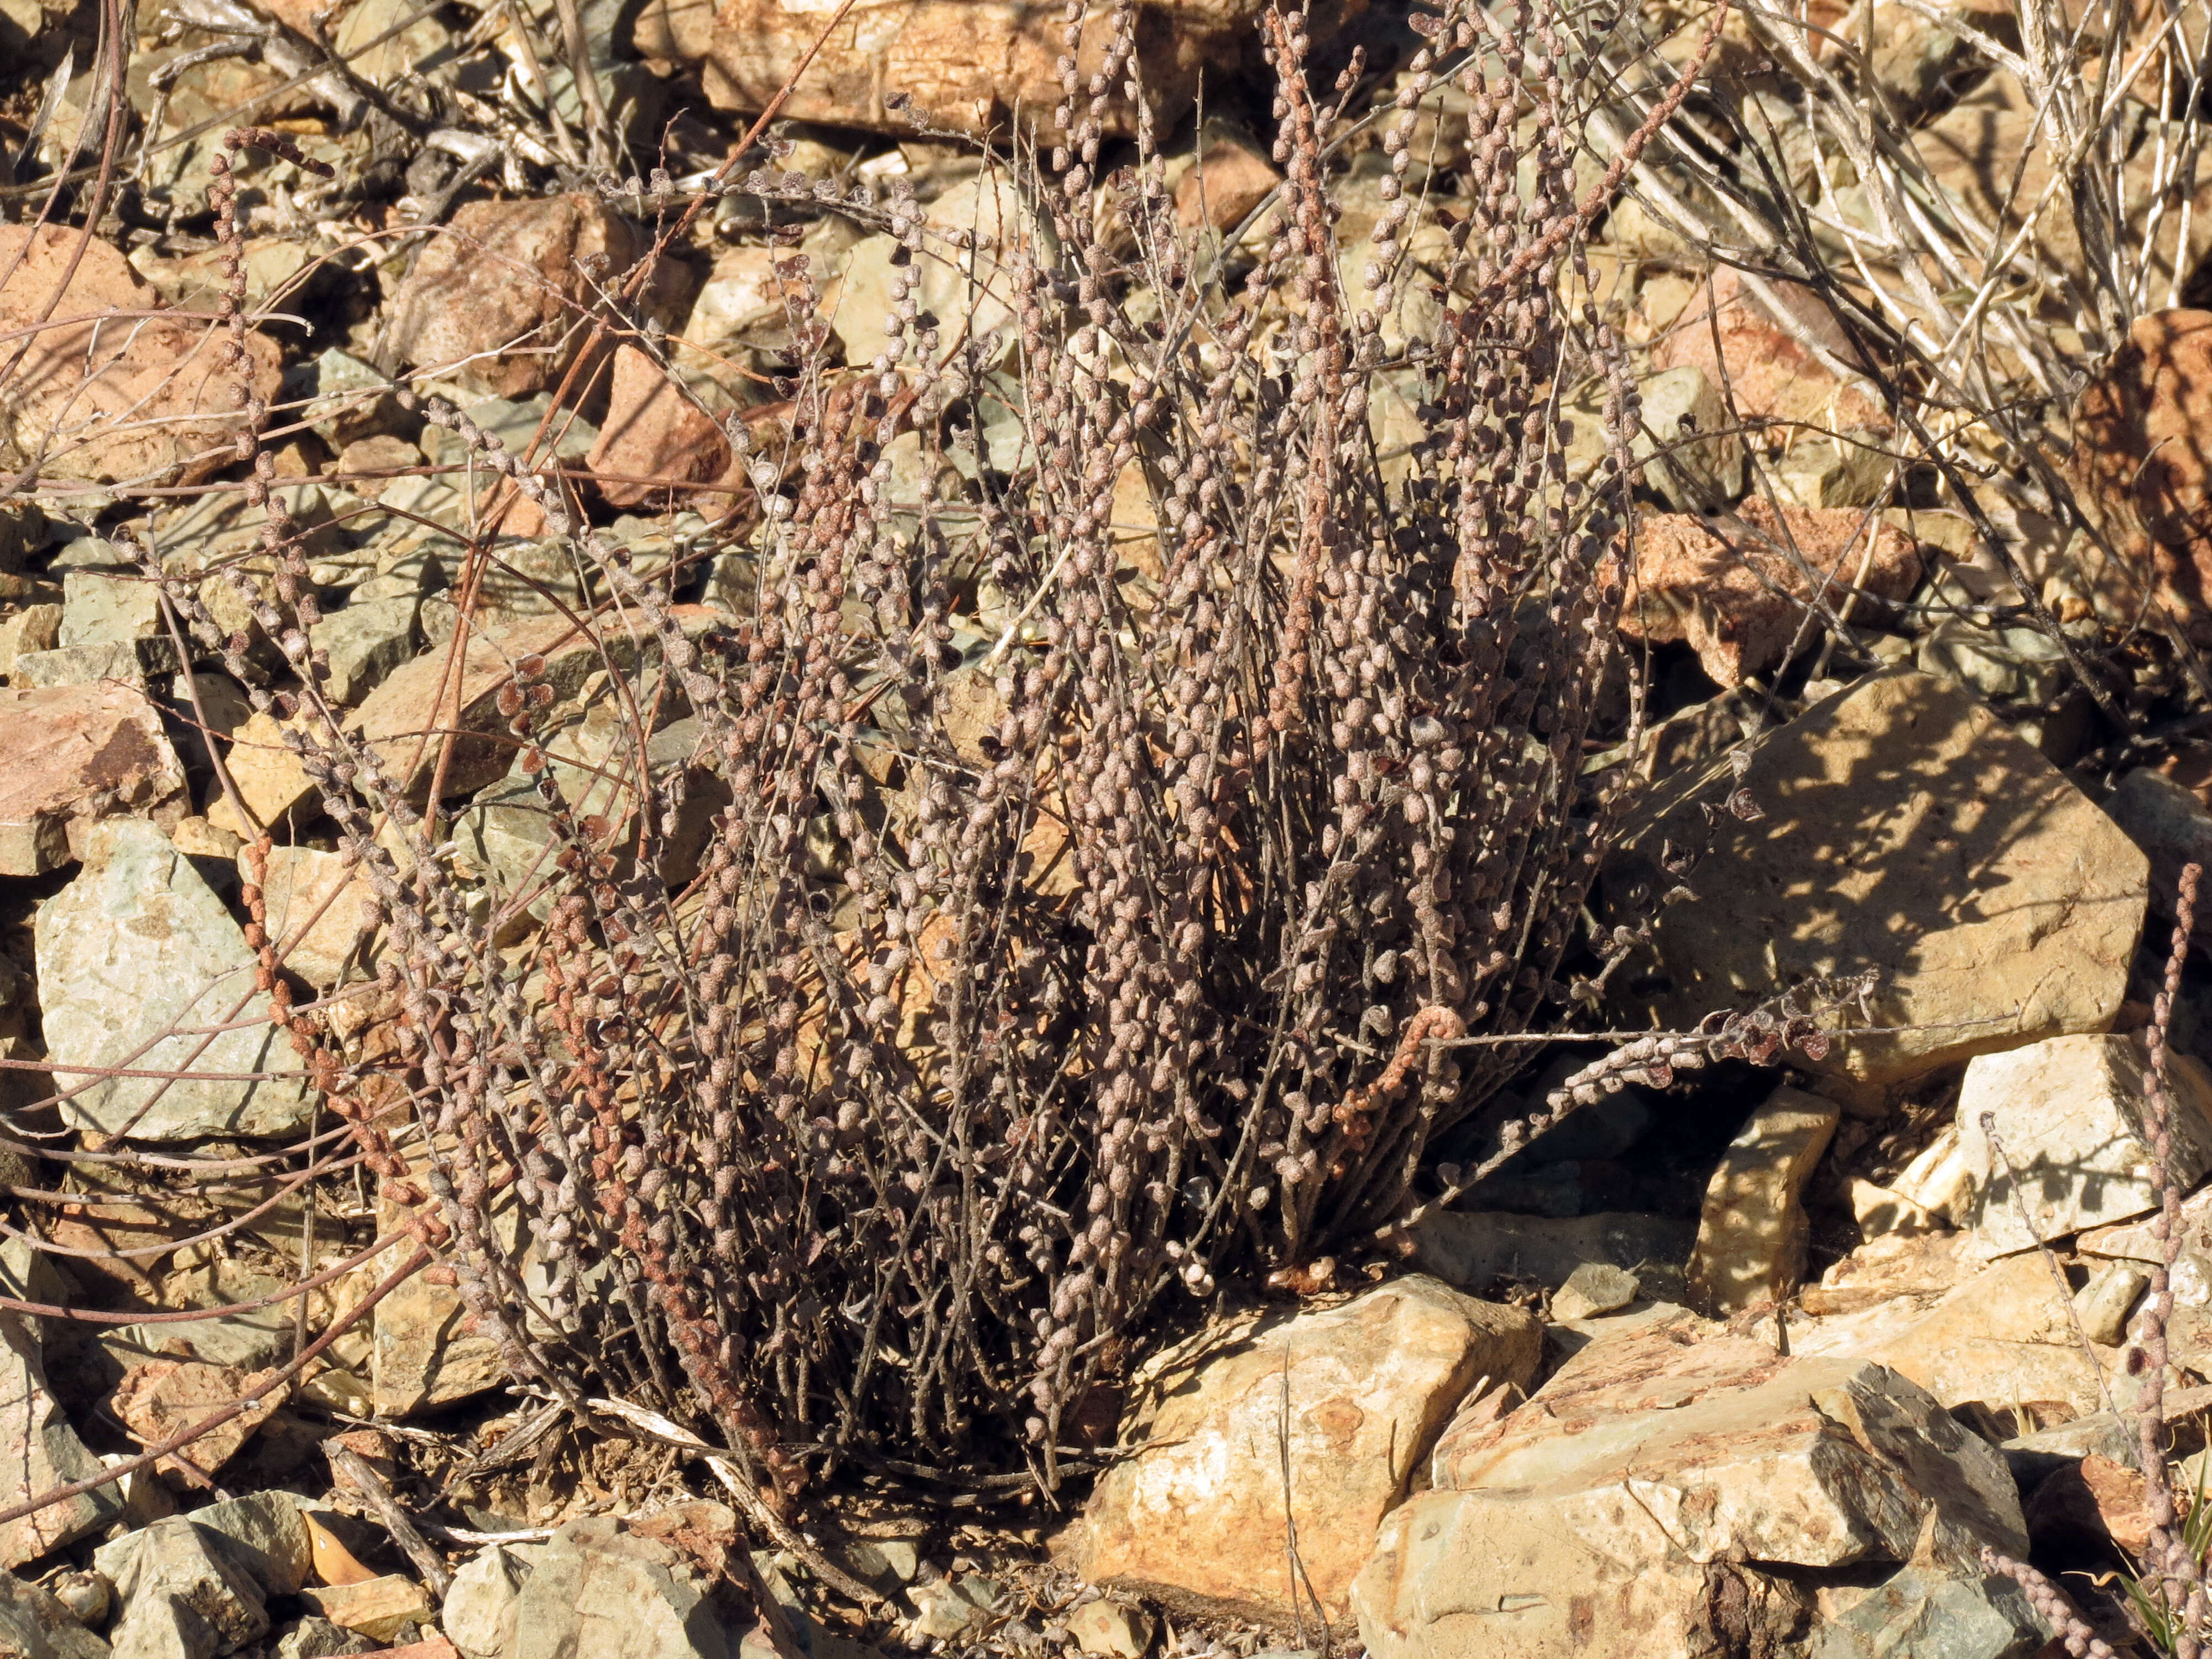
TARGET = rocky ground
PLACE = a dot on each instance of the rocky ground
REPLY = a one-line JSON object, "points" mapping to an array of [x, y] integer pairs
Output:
{"points": [[1753, 1360]]}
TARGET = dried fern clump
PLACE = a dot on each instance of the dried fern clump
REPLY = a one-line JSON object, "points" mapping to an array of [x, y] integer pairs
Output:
{"points": [[1063, 946]]}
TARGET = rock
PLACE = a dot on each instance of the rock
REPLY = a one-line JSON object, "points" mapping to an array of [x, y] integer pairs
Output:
{"points": [[479, 1608], [2104, 1302], [1851, 470], [136, 944], [507, 288], [99, 607], [1762, 365], [2000, 1339], [33, 629], [1612, 1506], [270, 779], [165, 1396], [1924, 1614], [34, 1625], [1903, 832], [654, 430], [1938, 1179], [2069, 1115], [1753, 1235], [1594, 1288], [165, 1627], [978, 232], [1882, 1212], [1476, 1250], [1229, 177], [108, 660], [319, 1638], [396, 717], [1691, 473], [1111, 1629], [2135, 1241], [2168, 823], [322, 914], [946, 1609], [181, 1581], [2005, 665], [957, 65], [423, 1353], [86, 1595], [76, 754], [383, 1609], [600, 1589], [141, 404], [2087, 1506], [1736, 594], [1196, 1518], [367, 639], [39, 1449], [348, 402]]}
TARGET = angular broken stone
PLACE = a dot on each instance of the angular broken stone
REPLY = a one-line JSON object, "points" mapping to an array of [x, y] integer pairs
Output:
{"points": [[2001, 1338], [163, 1397], [1736, 593], [601, 1589], [503, 291], [34, 1625], [176, 1577], [1900, 831], [479, 1608], [403, 717], [1922, 1613], [75, 754], [322, 914], [653, 430], [139, 405], [1618, 1497], [1197, 1518], [138, 944], [970, 67], [38, 1450], [1753, 1235], [270, 778], [1594, 1288], [383, 1609], [2069, 1119], [2168, 822]]}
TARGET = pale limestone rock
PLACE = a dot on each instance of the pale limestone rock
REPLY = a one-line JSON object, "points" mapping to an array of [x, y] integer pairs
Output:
{"points": [[2168, 822], [1902, 831], [174, 1568], [270, 779], [39, 1450], [1753, 1235], [479, 1608], [136, 945], [322, 914], [601, 1589], [2104, 1304], [1594, 1288], [382, 1609], [76, 754], [1603, 1515], [2000, 1338], [2069, 1116], [1197, 1518], [1922, 1613]]}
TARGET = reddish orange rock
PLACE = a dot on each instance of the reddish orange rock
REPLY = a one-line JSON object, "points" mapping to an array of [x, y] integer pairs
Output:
{"points": [[1737, 593]]}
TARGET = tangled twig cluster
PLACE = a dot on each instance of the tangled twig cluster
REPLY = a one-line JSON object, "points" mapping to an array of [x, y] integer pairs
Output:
{"points": [[1018, 986]]}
